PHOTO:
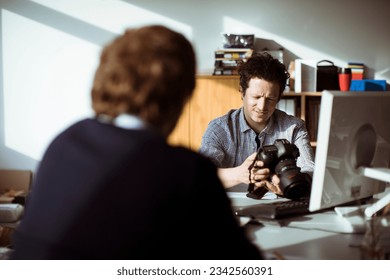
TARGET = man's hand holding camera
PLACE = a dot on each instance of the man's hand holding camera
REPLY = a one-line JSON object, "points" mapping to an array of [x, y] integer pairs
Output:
{"points": [[263, 180], [274, 168]]}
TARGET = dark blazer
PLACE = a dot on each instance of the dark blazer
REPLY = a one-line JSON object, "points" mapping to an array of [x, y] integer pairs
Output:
{"points": [[104, 192]]}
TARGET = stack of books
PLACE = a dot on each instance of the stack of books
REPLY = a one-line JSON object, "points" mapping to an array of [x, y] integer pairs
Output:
{"points": [[357, 70], [228, 60]]}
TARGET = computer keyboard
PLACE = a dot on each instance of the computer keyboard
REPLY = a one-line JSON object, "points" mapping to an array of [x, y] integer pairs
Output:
{"points": [[276, 210]]}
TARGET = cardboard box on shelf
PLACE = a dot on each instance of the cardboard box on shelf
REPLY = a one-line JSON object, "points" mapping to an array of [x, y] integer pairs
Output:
{"points": [[14, 185]]}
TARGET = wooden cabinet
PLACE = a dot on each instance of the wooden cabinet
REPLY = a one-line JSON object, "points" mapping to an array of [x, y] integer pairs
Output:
{"points": [[214, 96]]}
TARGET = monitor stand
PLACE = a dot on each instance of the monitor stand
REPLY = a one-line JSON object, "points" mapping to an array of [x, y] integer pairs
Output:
{"points": [[356, 216], [378, 173], [382, 174]]}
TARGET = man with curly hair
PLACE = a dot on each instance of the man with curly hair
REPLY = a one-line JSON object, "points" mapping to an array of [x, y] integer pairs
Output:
{"points": [[231, 141]]}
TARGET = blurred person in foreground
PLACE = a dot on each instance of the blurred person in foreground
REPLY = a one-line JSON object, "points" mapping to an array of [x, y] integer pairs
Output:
{"points": [[110, 187], [232, 140]]}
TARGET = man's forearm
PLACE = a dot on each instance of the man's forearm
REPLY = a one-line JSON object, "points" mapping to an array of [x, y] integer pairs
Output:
{"points": [[230, 177]]}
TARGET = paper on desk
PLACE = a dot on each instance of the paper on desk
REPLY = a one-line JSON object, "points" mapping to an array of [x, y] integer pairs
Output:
{"points": [[9, 206], [269, 195]]}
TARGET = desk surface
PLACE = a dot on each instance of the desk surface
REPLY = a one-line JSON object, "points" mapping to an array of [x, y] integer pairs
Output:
{"points": [[322, 235], [308, 244]]}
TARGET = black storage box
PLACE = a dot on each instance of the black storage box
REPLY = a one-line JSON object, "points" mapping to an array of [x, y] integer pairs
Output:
{"points": [[327, 76]]}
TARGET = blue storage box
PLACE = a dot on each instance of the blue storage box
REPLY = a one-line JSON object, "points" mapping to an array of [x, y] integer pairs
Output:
{"points": [[364, 85]]}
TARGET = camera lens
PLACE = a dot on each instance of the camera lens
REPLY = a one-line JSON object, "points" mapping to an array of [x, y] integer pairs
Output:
{"points": [[293, 183]]}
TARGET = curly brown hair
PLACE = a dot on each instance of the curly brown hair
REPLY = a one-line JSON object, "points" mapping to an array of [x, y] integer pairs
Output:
{"points": [[148, 72], [264, 66]]}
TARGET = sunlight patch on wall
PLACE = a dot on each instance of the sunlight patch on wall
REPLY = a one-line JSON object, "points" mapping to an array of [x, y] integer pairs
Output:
{"points": [[47, 77], [383, 74], [48, 72]]}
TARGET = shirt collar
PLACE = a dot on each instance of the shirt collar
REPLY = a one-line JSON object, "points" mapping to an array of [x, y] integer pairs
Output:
{"points": [[128, 121], [270, 128], [125, 121], [243, 124]]}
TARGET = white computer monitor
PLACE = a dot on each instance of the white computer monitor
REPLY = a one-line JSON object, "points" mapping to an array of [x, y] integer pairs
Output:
{"points": [[353, 148]]}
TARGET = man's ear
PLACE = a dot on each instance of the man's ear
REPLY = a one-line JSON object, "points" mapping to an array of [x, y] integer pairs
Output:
{"points": [[241, 92]]}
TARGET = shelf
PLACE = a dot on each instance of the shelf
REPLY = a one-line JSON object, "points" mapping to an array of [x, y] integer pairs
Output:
{"points": [[211, 77], [295, 94]]}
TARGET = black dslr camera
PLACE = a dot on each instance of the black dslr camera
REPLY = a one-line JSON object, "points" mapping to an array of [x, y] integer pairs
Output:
{"points": [[280, 158]]}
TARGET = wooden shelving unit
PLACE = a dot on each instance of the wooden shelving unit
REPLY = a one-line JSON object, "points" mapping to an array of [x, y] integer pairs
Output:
{"points": [[304, 101], [216, 95]]}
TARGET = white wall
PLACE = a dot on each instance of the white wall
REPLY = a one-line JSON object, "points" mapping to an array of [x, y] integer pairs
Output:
{"points": [[49, 50]]}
